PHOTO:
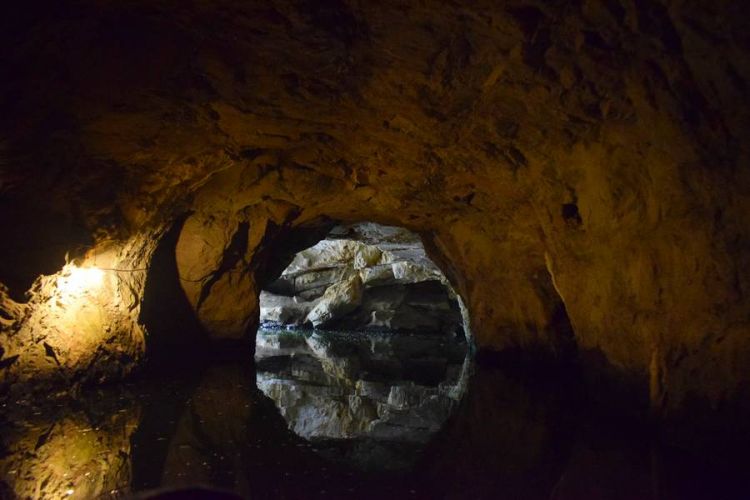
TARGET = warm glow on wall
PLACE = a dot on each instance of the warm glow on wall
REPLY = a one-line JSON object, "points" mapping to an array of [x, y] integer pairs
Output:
{"points": [[78, 280]]}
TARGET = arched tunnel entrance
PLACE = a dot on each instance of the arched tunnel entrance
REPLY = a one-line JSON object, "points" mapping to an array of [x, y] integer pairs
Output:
{"points": [[213, 273], [322, 275], [362, 346], [393, 408], [362, 342]]}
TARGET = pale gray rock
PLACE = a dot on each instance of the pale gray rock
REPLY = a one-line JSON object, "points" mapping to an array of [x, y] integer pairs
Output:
{"points": [[280, 309], [338, 300], [367, 256], [343, 387], [409, 272], [398, 287], [377, 275]]}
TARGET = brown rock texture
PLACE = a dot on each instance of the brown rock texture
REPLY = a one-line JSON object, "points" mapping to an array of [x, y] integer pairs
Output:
{"points": [[591, 154], [67, 452]]}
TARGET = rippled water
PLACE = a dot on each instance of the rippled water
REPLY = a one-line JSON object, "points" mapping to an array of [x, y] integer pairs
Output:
{"points": [[345, 417]]}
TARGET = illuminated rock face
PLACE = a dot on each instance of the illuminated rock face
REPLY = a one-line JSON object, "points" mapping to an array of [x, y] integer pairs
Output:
{"points": [[363, 277], [591, 154], [79, 326]]}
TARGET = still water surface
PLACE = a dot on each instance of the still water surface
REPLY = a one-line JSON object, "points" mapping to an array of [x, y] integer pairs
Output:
{"points": [[371, 401], [342, 416]]}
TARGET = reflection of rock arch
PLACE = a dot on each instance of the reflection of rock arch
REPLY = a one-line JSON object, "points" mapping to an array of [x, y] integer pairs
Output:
{"points": [[346, 393]]}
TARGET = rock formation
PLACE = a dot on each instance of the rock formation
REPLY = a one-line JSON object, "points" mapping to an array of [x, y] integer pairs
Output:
{"points": [[582, 161], [384, 284]]}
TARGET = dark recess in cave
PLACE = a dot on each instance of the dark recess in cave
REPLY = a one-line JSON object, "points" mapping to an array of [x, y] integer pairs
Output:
{"points": [[173, 330], [571, 214]]}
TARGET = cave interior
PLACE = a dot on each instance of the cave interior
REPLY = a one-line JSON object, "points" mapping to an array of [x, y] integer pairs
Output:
{"points": [[351, 249]]}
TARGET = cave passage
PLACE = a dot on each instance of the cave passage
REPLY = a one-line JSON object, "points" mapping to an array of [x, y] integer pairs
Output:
{"points": [[195, 291], [364, 386], [362, 346], [364, 277]]}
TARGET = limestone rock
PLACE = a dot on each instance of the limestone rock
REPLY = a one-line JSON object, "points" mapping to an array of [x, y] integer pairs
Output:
{"points": [[279, 309], [332, 253], [367, 256], [378, 275], [402, 290], [408, 272], [337, 301]]}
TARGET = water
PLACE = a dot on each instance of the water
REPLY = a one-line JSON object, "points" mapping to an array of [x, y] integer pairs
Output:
{"points": [[372, 401], [445, 429]]}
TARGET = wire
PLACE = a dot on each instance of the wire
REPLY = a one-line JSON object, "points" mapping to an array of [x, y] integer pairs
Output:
{"points": [[121, 270]]}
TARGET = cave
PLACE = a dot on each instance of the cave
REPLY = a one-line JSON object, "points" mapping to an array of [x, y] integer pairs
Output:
{"points": [[572, 173], [362, 346]]}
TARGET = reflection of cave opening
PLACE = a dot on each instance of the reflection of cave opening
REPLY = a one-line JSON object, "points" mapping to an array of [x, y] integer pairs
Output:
{"points": [[362, 346]]}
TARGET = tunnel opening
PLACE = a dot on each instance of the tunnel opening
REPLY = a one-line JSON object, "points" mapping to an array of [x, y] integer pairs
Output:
{"points": [[362, 346], [364, 277], [577, 169]]}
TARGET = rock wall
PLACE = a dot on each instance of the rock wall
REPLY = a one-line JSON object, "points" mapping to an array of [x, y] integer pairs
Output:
{"points": [[589, 152], [79, 325], [364, 277]]}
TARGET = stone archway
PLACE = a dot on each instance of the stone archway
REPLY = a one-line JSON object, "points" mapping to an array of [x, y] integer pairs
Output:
{"points": [[225, 260]]}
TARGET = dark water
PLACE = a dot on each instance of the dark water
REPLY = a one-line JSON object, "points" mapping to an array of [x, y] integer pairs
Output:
{"points": [[346, 418]]}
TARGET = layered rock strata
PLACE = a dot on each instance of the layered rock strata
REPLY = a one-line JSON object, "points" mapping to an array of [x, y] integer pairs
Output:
{"points": [[380, 285]]}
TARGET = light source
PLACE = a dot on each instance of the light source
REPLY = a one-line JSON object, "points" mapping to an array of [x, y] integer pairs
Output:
{"points": [[76, 280]]}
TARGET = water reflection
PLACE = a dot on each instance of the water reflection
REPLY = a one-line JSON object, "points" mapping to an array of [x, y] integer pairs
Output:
{"points": [[370, 400], [77, 450], [212, 426]]}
